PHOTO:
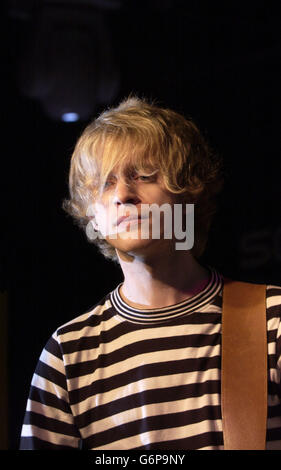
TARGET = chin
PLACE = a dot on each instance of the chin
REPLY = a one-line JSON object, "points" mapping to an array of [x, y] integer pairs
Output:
{"points": [[138, 247], [129, 245]]}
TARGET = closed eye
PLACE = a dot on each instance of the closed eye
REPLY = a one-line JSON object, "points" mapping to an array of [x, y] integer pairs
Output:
{"points": [[108, 183], [144, 177], [150, 177]]}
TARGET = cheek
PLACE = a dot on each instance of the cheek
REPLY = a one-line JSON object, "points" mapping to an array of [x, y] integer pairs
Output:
{"points": [[100, 217], [156, 195], [105, 218]]}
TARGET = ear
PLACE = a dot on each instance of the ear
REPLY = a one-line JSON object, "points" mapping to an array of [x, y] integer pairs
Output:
{"points": [[94, 223], [91, 214]]}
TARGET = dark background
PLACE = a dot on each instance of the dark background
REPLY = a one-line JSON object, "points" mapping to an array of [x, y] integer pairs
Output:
{"points": [[218, 64]]}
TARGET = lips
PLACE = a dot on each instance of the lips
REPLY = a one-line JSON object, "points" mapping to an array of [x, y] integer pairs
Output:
{"points": [[127, 218]]}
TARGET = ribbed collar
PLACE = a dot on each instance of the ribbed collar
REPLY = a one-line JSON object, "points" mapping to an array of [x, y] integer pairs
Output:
{"points": [[156, 315]]}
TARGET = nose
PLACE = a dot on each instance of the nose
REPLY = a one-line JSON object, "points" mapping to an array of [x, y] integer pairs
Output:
{"points": [[125, 193]]}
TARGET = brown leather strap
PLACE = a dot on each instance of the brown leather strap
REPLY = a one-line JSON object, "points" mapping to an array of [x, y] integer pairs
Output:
{"points": [[244, 366]]}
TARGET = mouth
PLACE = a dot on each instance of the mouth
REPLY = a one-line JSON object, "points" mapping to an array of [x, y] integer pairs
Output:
{"points": [[128, 219]]}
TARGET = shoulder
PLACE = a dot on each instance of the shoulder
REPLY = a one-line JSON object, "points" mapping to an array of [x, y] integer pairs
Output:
{"points": [[273, 296], [272, 292], [90, 320], [273, 303], [273, 308]]}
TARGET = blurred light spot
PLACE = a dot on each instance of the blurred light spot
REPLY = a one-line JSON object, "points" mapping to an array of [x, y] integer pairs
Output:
{"points": [[70, 117]]}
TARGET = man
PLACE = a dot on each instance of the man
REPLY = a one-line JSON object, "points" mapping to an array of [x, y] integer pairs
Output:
{"points": [[141, 369]]}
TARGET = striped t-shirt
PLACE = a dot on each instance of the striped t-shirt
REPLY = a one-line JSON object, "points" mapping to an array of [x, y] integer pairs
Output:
{"points": [[122, 378]]}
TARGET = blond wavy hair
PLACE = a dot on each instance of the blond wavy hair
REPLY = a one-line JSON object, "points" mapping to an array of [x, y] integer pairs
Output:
{"points": [[147, 137]]}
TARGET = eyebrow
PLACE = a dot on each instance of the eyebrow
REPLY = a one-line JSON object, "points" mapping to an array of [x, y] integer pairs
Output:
{"points": [[129, 170]]}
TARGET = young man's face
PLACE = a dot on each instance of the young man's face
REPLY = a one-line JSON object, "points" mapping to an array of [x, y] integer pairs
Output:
{"points": [[122, 215]]}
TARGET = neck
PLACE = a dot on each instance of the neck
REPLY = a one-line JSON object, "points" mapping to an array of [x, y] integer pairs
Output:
{"points": [[161, 282]]}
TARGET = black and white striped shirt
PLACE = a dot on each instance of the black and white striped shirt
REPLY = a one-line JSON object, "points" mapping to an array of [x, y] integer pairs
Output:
{"points": [[121, 378]]}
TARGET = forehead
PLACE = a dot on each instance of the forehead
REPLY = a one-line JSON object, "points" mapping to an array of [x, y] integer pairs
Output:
{"points": [[130, 169], [124, 155]]}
